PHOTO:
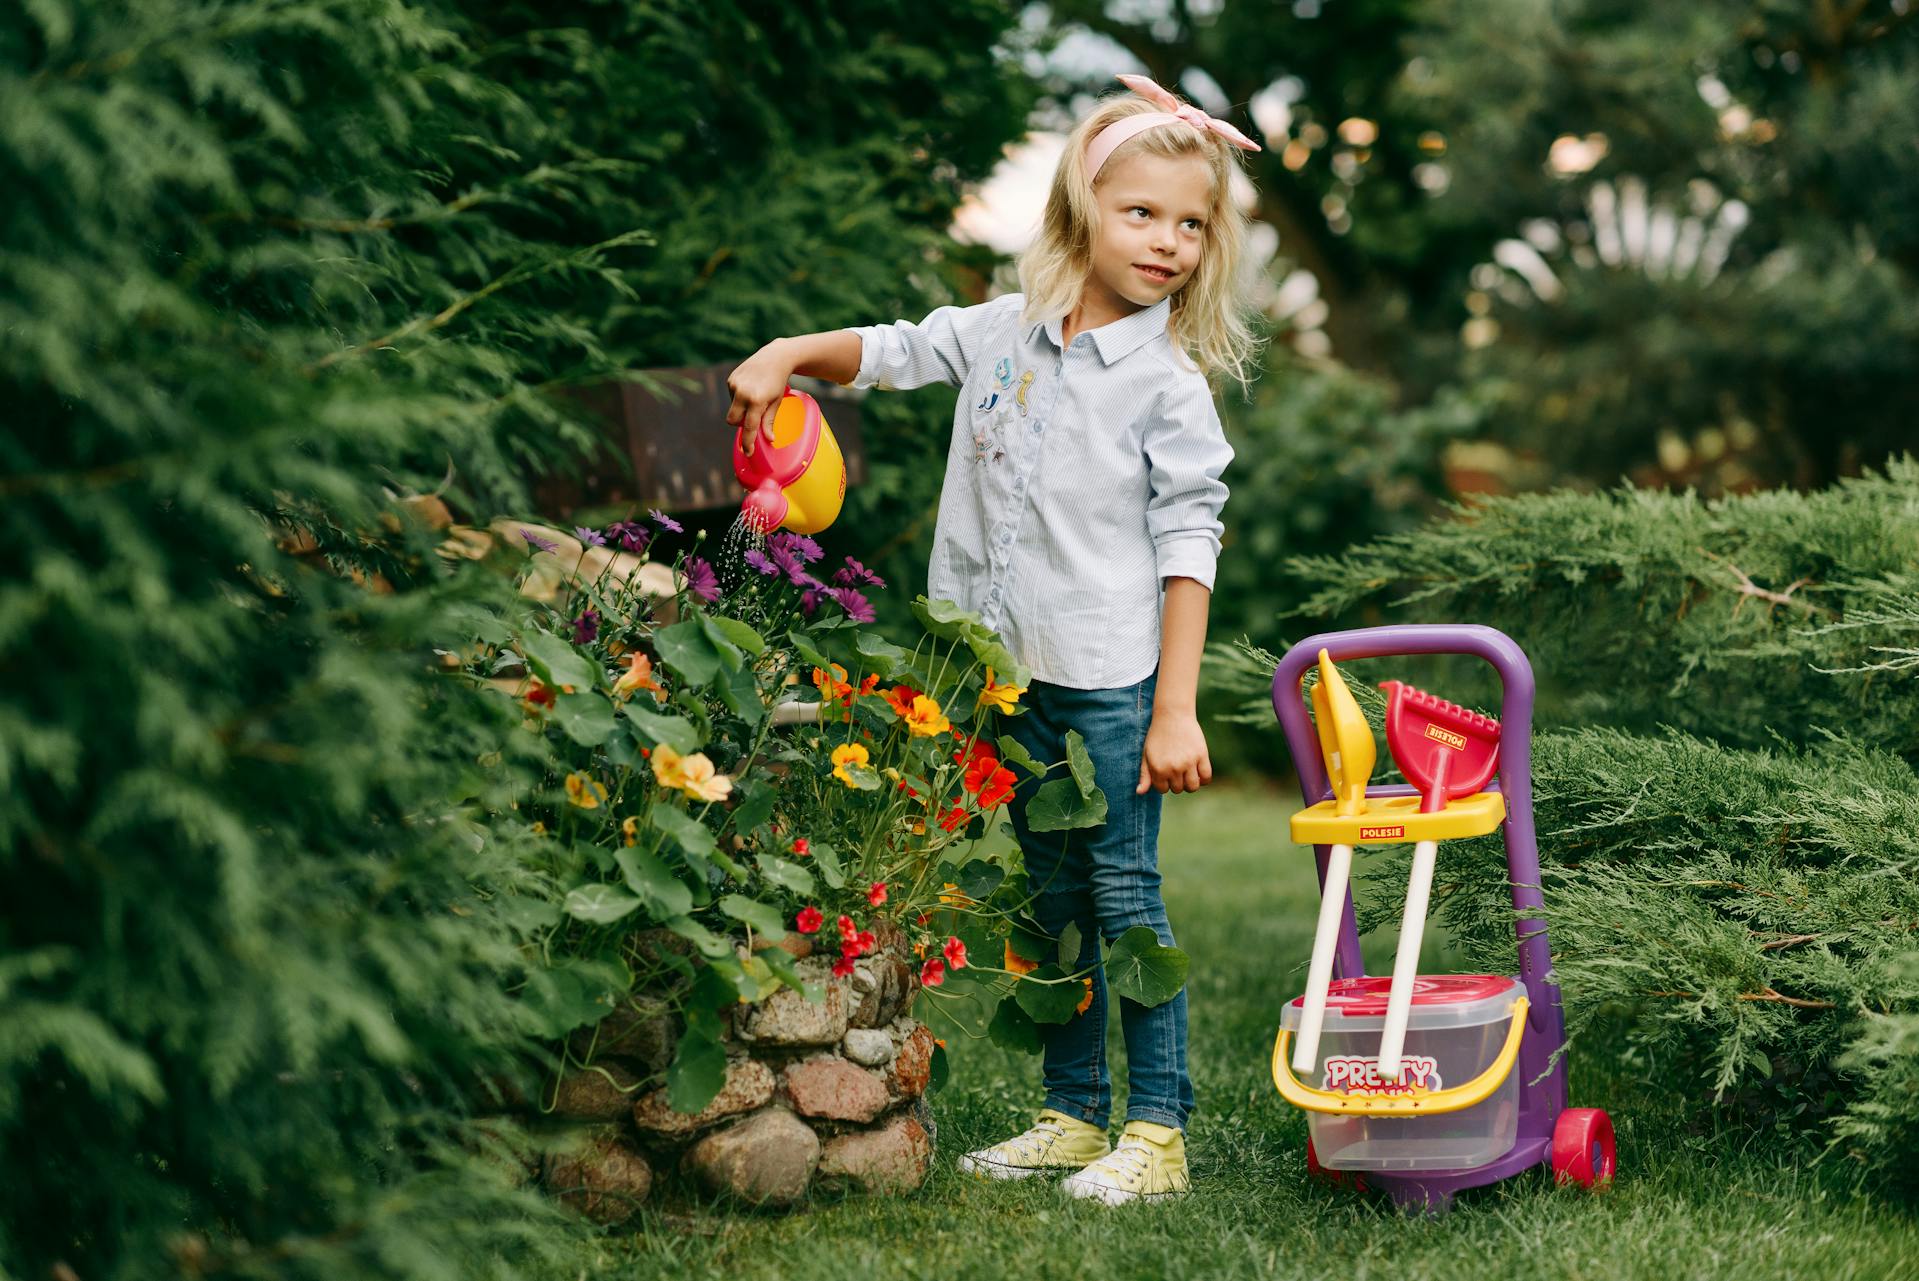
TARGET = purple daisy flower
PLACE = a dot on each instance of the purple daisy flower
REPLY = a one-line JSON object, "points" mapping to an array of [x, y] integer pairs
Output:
{"points": [[756, 559], [787, 562], [810, 601], [701, 580], [591, 537], [537, 543], [797, 545], [586, 628], [857, 607], [628, 534], [666, 522], [857, 575]]}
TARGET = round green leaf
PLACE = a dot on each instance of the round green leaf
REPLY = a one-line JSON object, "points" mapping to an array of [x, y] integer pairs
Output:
{"points": [[1140, 968], [600, 903], [1049, 1002]]}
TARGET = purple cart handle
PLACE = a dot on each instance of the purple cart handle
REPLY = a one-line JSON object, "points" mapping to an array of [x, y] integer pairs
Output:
{"points": [[1515, 775]]}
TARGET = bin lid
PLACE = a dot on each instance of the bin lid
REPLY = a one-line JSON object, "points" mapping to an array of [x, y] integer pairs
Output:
{"points": [[1438, 999]]}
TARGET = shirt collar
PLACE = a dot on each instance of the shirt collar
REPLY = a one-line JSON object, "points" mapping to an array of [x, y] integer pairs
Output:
{"points": [[1122, 337]]}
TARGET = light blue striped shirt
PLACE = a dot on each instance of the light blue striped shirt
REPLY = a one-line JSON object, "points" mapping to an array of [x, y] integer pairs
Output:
{"points": [[1078, 479]]}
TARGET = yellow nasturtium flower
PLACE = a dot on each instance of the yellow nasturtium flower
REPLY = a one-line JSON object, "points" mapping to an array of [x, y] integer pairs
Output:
{"points": [[669, 767], [924, 719], [693, 774], [585, 792], [702, 782], [999, 697], [844, 755], [1017, 963], [630, 830]]}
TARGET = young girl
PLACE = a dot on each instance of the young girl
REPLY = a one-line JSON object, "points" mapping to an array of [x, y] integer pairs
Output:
{"points": [[1080, 517]]}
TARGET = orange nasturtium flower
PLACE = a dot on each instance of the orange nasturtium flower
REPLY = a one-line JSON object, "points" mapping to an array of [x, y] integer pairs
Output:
{"points": [[1085, 1002], [924, 718], [870, 684], [900, 699], [585, 792], [951, 896], [638, 675], [999, 697], [844, 755], [1017, 963], [833, 684]]}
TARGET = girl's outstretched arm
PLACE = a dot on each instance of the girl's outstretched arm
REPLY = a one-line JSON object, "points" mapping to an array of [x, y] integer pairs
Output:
{"points": [[1175, 759], [760, 380]]}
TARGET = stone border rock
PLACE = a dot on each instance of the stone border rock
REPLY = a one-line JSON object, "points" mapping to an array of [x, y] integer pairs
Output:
{"points": [[824, 1094]]}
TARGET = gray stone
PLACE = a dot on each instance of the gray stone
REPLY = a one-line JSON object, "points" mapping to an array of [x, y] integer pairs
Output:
{"points": [[872, 1047], [788, 1018], [602, 1177], [767, 1159], [891, 1158], [749, 1084]]}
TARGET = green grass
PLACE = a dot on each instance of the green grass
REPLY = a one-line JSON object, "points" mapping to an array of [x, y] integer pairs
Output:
{"points": [[1242, 900]]}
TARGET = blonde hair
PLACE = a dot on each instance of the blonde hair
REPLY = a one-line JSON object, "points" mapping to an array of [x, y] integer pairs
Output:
{"points": [[1209, 314]]}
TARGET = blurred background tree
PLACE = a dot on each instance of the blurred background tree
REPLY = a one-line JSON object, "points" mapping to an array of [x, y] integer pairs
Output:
{"points": [[1640, 240]]}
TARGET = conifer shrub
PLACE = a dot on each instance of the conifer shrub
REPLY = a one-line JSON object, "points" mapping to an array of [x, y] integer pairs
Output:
{"points": [[277, 277]]}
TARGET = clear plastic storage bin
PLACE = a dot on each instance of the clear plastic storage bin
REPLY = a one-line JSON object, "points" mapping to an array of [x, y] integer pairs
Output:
{"points": [[1456, 1028]]}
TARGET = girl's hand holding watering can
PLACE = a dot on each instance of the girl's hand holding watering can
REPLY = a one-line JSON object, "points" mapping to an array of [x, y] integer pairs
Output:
{"points": [[757, 386]]}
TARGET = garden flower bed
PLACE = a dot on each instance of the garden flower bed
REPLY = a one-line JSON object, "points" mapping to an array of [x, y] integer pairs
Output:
{"points": [[759, 842]]}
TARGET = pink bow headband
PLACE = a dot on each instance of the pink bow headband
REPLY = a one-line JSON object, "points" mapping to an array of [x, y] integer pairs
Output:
{"points": [[1173, 111]]}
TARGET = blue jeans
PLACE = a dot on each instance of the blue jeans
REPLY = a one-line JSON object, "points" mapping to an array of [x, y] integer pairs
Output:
{"points": [[1105, 880]]}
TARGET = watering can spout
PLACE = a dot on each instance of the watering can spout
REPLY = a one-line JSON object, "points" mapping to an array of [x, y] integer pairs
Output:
{"points": [[765, 506]]}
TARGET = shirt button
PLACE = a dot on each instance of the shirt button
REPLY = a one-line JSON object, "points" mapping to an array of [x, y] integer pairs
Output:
{"points": [[1038, 427], [1006, 538]]}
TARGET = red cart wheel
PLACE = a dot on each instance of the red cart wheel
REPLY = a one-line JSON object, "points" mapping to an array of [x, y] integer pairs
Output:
{"points": [[1583, 1148]]}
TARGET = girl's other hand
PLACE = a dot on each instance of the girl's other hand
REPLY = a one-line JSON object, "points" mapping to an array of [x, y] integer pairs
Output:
{"points": [[758, 385], [1175, 759]]}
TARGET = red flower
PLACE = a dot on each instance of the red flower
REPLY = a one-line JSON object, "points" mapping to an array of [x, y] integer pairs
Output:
{"points": [[847, 931], [876, 893], [866, 942], [955, 953], [933, 973], [842, 967], [809, 919], [800, 847], [953, 819], [997, 789], [973, 751], [922, 918]]}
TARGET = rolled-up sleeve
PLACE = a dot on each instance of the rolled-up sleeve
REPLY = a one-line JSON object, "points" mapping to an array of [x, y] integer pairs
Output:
{"points": [[940, 348], [1186, 453]]}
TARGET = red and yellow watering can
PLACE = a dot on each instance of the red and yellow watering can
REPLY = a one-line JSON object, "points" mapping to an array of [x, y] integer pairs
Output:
{"points": [[798, 479]]}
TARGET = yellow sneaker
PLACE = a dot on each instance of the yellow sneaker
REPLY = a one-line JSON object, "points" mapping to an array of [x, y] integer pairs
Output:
{"points": [[1055, 1142], [1148, 1165]]}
